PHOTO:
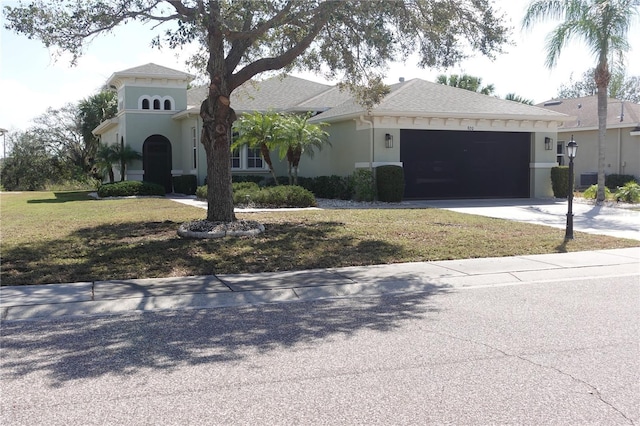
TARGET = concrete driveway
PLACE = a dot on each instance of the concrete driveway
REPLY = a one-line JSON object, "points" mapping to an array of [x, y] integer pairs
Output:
{"points": [[613, 221]]}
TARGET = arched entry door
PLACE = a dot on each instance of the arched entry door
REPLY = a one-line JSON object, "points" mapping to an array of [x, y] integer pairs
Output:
{"points": [[156, 161]]}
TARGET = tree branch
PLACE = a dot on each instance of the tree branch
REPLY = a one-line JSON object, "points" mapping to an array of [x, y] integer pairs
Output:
{"points": [[281, 61]]}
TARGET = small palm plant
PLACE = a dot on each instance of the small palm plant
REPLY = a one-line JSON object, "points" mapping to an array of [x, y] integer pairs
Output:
{"points": [[629, 192], [105, 157], [301, 137], [258, 130], [124, 155]]}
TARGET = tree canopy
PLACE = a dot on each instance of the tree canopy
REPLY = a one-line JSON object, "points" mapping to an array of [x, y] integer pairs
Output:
{"points": [[620, 87], [351, 40]]}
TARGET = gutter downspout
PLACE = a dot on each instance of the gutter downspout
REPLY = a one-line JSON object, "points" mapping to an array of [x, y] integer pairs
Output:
{"points": [[620, 166], [370, 123]]}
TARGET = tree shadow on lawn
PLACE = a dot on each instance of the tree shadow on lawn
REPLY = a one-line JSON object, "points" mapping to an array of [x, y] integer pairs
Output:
{"points": [[153, 249], [64, 197], [82, 348]]}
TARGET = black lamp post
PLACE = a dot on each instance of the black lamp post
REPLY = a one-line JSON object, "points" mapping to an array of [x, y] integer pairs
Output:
{"points": [[572, 148]]}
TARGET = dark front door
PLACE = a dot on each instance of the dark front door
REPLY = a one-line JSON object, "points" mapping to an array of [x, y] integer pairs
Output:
{"points": [[156, 153], [456, 164]]}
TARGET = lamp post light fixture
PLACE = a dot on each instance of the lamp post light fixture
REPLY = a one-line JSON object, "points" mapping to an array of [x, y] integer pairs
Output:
{"points": [[572, 149]]}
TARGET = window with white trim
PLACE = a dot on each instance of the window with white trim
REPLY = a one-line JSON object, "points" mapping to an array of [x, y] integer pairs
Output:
{"points": [[560, 153], [254, 159], [236, 162]]}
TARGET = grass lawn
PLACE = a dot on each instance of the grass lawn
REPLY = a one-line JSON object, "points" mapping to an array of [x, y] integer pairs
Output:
{"points": [[67, 237]]}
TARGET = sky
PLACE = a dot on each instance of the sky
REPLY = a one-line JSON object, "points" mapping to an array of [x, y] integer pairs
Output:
{"points": [[32, 81]]}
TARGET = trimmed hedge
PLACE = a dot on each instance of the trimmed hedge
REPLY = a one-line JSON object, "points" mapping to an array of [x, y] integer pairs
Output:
{"points": [[560, 181], [364, 188], [129, 188], [249, 193], [390, 183], [614, 181], [284, 196], [185, 184]]}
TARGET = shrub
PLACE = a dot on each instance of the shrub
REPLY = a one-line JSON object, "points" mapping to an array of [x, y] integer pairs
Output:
{"points": [[284, 196], [333, 186], [629, 192], [201, 192], [248, 178], [282, 180], [363, 185], [614, 181], [560, 181], [390, 183], [244, 192], [185, 184], [592, 192], [129, 188], [245, 186]]}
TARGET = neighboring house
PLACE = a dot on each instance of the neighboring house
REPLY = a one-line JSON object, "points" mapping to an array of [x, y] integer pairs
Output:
{"points": [[622, 152], [452, 143]]}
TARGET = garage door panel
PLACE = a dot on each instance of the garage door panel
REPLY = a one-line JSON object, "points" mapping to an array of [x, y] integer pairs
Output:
{"points": [[454, 164]]}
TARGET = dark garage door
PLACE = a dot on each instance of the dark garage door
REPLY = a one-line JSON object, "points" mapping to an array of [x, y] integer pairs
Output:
{"points": [[455, 164]]}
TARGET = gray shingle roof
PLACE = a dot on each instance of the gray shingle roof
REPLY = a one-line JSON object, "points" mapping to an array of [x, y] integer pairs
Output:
{"points": [[414, 97], [154, 70], [422, 97], [584, 112], [279, 93]]}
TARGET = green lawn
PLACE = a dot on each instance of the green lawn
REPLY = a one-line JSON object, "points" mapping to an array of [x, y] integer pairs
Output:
{"points": [[67, 237]]}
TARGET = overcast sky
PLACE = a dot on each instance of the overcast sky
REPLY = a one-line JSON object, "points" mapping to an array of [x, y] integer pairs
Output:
{"points": [[30, 81]]}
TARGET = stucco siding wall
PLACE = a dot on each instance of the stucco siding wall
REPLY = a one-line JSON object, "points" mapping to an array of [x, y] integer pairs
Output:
{"points": [[622, 152], [133, 93], [139, 126]]}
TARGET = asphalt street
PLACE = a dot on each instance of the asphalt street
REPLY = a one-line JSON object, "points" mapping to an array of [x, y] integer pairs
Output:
{"points": [[555, 352]]}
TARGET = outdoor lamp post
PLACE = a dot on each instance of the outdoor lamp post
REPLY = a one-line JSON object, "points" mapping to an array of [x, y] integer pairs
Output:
{"points": [[572, 148]]}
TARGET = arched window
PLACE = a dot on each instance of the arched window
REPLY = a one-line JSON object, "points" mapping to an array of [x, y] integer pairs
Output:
{"points": [[167, 104], [145, 104], [156, 104]]}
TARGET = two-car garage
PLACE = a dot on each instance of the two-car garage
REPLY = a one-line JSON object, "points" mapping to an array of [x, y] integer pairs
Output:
{"points": [[465, 164]]}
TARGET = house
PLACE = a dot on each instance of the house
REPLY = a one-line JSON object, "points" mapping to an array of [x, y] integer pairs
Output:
{"points": [[452, 143], [622, 148]]}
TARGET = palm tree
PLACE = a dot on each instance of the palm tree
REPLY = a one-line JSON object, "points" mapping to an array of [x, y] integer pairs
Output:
{"points": [[91, 112], [466, 82], [105, 157], [603, 25], [517, 98], [301, 137], [124, 155], [258, 130]]}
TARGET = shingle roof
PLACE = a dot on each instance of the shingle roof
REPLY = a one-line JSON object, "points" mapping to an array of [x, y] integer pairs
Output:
{"points": [[414, 97], [422, 97], [279, 93], [584, 112], [153, 70]]}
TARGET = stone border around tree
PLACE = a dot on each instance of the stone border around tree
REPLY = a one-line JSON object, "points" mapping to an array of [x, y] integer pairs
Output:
{"points": [[205, 229]]}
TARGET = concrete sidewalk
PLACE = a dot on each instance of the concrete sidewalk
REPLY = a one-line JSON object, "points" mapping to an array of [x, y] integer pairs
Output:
{"points": [[118, 296]]}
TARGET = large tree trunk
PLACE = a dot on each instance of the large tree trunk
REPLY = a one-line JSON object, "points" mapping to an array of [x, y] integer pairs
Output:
{"points": [[217, 118], [602, 77]]}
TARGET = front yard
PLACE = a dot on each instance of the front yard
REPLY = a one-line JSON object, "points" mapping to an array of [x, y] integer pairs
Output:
{"points": [[67, 237]]}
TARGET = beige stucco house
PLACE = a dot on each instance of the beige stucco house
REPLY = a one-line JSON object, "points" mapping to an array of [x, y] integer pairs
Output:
{"points": [[452, 143], [622, 149]]}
